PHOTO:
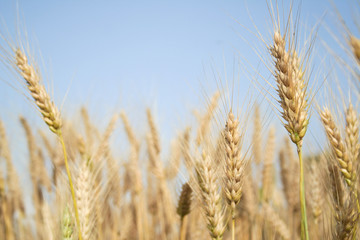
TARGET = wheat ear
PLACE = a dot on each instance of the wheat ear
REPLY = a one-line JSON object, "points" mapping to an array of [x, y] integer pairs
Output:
{"points": [[338, 147], [291, 88], [352, 134], [234, 167], [211, 199], [47, 108]]}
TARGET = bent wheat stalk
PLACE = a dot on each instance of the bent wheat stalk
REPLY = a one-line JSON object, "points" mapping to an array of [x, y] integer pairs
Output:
{"points": [[48, 110]]}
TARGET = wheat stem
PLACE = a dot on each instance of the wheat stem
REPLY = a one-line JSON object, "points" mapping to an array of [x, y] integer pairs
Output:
{"points": [[59, 133], [233, 228], [304, 226], [183, 226]]}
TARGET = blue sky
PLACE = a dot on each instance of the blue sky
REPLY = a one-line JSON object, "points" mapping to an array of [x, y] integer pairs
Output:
{"points": [[114, 55], [129, 55]]}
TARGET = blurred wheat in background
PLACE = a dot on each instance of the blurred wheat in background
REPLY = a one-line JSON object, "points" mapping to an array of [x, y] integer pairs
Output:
{"points": [[272, 152]]}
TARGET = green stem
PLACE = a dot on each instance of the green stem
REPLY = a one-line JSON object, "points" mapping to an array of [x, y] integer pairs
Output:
{"points": [[304, 226], [59, 133]]}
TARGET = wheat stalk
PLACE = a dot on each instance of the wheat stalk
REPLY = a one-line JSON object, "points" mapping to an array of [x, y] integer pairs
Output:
{"points": [[184, 207], [48, 110], [234, 166], [291, 88]]}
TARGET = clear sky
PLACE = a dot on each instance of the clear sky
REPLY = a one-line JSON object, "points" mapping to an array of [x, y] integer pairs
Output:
{"points": [[113, 55]]}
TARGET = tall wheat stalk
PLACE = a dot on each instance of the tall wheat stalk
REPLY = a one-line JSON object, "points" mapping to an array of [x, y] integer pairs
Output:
{"points": [[291, 88]]}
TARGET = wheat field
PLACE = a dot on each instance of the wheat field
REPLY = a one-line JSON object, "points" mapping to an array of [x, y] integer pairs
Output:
{"points": [[247, 167]]}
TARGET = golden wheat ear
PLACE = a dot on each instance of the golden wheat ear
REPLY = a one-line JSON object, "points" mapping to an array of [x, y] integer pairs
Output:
{"points": [[291, 88], [234, 166], [338, 147], [47, 108], [210, 196], [352, 134]]}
